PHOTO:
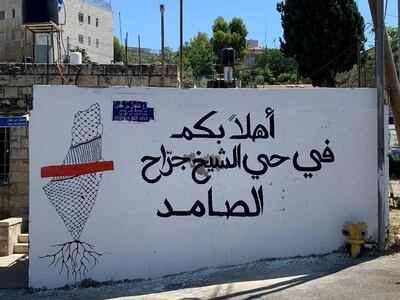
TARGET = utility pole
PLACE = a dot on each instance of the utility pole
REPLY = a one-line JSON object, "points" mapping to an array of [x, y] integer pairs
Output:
{"points": [[140, 61], [359, 60], [126, 49], [120, 27], [181, 45], [380, 85], [162, 9]]}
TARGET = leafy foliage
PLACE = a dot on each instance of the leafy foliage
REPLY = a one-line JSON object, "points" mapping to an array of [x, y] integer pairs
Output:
{"points": [[272, 67], [199, 55], [393, 34], [229, 35], [322, 36], [119, 51]]}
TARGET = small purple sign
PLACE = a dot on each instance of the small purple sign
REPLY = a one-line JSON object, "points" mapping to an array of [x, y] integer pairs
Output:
{"points": [[132, 111]]}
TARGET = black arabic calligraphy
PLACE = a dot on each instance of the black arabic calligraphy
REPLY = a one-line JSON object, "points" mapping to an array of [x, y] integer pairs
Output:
{"points": [[259, 132], [202, 167], [238, 209]]}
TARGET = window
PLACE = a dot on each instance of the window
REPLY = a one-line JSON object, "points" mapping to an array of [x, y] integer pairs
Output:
{"points": [[2, 14], [13, 13], [88, 20], [2, 37], [89, 40], [97, 43], [97, 22], [80, 17], [81, 39], [4, 155]]}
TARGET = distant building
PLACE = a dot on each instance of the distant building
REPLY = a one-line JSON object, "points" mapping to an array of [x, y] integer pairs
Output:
{"points": [[85, 24], [88, 25], [253, 50]]}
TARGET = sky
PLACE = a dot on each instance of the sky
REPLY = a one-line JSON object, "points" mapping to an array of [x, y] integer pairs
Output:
{"points": [[260, 17]]}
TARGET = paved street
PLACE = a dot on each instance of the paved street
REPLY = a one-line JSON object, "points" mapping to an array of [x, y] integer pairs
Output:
{"points": [[334, 276]]}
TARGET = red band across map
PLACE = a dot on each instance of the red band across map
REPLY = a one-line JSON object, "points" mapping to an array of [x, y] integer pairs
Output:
{"points": [[76, 170]]}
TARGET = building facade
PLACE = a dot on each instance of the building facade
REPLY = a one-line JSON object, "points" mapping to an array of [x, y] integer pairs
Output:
{"points": [[88, 25], [253, 51], [11, 32], [85, 24]]}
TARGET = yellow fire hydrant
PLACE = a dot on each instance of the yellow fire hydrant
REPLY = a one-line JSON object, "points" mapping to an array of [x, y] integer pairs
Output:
{"points": [[355, 233]]}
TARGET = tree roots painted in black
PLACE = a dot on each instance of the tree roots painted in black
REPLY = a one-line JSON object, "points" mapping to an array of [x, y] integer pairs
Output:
{"points": [[76, 258]]}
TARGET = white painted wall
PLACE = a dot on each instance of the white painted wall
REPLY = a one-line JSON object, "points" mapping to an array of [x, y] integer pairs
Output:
{"points": [[301, 216]]}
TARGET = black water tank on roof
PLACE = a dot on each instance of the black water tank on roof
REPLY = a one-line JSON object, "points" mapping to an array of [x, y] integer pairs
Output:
{"points": [[228, 56], [39, 11]]}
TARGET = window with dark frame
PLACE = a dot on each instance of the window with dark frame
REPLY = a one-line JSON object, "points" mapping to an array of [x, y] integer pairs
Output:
{"points": [[80, 17], [97, 43], [81, 39], [88, 20], [13, 13], [4, 156], [2, 15], [89, 41], [97, 22]]}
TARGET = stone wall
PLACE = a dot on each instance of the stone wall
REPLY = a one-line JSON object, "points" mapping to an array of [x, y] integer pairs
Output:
{"points": [[16, 85]]}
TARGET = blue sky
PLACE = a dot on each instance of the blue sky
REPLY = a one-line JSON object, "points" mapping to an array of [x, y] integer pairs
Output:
{"points": [[260, 17]]}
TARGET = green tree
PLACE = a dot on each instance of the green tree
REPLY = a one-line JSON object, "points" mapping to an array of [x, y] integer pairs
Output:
{"points": [[119, 51], [321, 36], [199, 55], [277, 63], [229, 35]]}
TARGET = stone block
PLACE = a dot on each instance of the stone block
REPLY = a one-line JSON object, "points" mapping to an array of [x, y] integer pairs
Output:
{"points": [[107, 81], [40, 69], [75, 69], [2, 91], [134, 70], [22, 80], [172, 70], [19, 165], [97, 70], [10, 229], [116, 70], [20, 201], [155, 70], [22, 188], [19, 177], [11, 92], [88, 81], [54, 70], [171, 82], [135, 81], [54, 80], [20, 154], [24, 92], [5, 80], [155, 81]]}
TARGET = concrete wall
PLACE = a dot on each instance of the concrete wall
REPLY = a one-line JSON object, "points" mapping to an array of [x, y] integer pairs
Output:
{"points": [[16, 99], [309, 154]]}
